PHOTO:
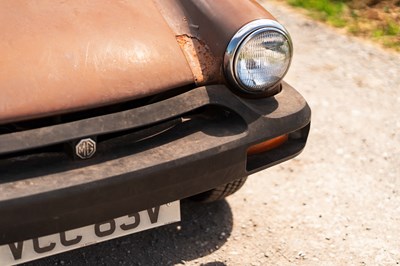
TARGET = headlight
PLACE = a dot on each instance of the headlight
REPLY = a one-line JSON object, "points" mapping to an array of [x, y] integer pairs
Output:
{"points": [[258, 57]]}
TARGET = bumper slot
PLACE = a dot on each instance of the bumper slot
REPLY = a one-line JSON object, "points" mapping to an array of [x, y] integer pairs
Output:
{"points": [[209, 122], [294, 145]]}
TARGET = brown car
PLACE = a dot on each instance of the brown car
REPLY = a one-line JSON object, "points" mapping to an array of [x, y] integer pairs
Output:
{"points": [[108, 108]]}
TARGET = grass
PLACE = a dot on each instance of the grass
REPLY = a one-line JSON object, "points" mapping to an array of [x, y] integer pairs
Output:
{"points": [[392, 28], [325, 10], [383, 26]]}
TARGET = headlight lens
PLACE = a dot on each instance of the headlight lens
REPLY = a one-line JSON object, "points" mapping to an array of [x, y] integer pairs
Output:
{"points": [[262, 60], [258, 56]]}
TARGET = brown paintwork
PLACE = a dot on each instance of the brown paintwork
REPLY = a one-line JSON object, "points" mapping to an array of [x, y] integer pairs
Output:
{"points": [[62, 56], [215, 22], [58, 56], [203, 29]]}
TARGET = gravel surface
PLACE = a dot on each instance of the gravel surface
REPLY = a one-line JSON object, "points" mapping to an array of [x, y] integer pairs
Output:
{"points": [[338, 203]]}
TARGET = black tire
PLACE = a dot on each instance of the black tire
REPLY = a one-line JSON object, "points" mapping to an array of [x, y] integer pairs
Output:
{"points": [[220, 192]]}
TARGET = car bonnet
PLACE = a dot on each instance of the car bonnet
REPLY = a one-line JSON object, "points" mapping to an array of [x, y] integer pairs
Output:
{"points": [[63, 56]]}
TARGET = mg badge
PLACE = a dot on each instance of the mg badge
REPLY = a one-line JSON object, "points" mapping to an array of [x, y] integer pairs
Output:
{"points": [[85, 148]]}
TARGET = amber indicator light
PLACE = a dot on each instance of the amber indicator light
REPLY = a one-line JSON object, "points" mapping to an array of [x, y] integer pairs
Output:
{"points": [[267, 145]]}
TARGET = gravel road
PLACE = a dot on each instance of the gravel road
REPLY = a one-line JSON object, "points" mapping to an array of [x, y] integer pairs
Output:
{"points": [[338, 203]]}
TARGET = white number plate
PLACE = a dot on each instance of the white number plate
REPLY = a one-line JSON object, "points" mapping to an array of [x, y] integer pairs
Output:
{"points": [[52, 244]]}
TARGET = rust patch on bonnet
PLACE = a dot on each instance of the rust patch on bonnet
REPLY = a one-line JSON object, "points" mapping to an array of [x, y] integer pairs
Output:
{"points": [[204, 65]]}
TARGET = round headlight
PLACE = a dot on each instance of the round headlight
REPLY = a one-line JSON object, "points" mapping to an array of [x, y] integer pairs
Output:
{"points": [[258, 57]]}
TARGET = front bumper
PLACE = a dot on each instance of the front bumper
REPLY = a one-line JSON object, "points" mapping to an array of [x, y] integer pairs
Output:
{"points": [[48, 193]]}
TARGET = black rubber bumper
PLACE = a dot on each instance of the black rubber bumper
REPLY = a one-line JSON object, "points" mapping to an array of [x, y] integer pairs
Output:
{"points": [[47, 193]]}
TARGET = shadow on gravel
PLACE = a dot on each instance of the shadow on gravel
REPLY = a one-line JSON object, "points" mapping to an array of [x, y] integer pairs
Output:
{"points": [[204, 229]]}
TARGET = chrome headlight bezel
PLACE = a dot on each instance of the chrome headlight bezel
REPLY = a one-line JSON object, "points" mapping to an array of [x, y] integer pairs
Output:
{"points": [[243, 35]]}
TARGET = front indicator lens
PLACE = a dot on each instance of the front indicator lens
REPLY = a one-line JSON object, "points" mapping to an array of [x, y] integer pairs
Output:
{"points": [[262, 60], [267, 145]]}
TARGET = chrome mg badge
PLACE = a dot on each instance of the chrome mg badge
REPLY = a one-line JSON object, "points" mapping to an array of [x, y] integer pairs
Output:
{"points": [[85, 148]]}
